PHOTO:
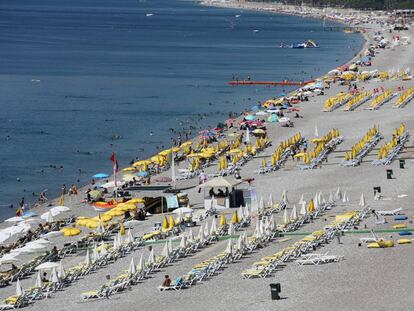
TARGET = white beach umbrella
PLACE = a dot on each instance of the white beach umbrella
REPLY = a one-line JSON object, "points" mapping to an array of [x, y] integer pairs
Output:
{"points": [[87, 258], [184, 210], [257, 231], [120, 239], [262, 227], [331, 198], [116, 246], [270, 201], [191, 237], [241, 212], [201, 236], [9, 258], [293, 214], [151, 257], [303, 209], [49, 217], [229, 248], [130, 237], [19, 288], [285, 217], [39, 282], [213, 229], [103, 249], [362, 200], [231, 230], [261, 204], [284, 197], [246, 211], [254, 205], [131, 223], [132, 269], [344, 197], [140, 266], [206, 230], [55, 277], [301, 199], [247, 138], [15, 219], [95, 254], [165, 252], [170, 247], [61, 271], [183, 243], [240, 243], [338, 194], [47, 266], [316, 131], [100, 228]]}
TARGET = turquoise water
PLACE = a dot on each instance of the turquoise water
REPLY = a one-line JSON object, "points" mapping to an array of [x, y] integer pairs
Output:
{"points": [[79, 79]]}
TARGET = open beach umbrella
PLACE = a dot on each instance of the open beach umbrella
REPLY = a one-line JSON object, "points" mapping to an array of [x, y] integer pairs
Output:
{"points": [[47, 266], [15, 219], [19, 288], [9, 258], [100, 175], [132, 269]]}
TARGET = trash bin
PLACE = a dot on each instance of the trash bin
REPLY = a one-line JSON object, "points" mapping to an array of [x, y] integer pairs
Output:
{"points": [[402, 163], [389, 174], [275, 289]]}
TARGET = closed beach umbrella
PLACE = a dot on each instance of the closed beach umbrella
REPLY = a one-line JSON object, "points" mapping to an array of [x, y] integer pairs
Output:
{"points": [[165, 252], [261, 203], [293, 215], [191, 237], [316, 201], [223, 220], [165, 224], [183, 243], [87, 258], [229, 248], [235, 218], [213, 229], [55, 277], [231, 229], [311, 206], [206, 230], [201, 236], [95, 254], [132, 268], [362, 200], [303, 208], [151, 257], [102, 249], [270, 202], [61, 271], [39, 282], [285, 217], [246, 211], [140, 266], [19, 288], [130, 237], [49, 217]]}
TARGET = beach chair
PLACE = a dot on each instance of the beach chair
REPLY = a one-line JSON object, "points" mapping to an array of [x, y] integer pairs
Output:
{"points": [[14, 302], [393, 212], [177, 284], [255, 273], [102, 292]]}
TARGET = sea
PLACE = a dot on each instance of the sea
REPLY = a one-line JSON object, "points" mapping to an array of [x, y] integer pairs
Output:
{"points": [[80, 79]]}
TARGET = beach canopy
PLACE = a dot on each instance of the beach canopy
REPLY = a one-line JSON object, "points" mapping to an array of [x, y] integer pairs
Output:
{"points": [[220, 182], [100, 175], [250, 117], [47, 266], [15, 219], [184, 210]]}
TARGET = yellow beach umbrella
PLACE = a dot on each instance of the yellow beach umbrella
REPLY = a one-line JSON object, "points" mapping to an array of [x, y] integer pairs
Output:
{"points": [[103, 217], [135, 201], [92, 224], [122, 229], [171, 222], [311, 206], [235, 219], [186, 144], [71, 231], [165, 224], [128, 169], [223, 220], [115, 212]]}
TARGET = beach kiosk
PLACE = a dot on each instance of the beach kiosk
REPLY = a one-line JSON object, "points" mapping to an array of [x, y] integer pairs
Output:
{"points": [[219, 183]]}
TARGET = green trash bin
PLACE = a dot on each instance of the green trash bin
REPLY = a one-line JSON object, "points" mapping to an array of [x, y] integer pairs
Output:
{"points": [[275, 289]]}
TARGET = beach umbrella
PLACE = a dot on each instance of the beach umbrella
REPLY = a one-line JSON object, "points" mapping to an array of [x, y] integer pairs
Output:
{"points": [[240, 243], [270, 201], [213, 229], [223, 220], [206, 230], [129, 238], [151, 257], [71, 231], [344, 197], [183, 210], [165, 224], [200, 235], [362, 200], [293, 214], [101, 228], [241, 212], [272, 223], [100, 175], [301, 199], [120, 239], [10, 258], [338, 195], [47, 266], [316, 201], [229, 248], [285, 217], [247, 137], [55, 277], [284, 197], [191, 237], [132, 269], [15, 219], [183, 242], [303, 208], [61, 271], [235, 219], [231, 230], [95, 254], [331, 198], [316, 131], [39, 283], [311, 206], [347, 198], [170, 247], [140, 266], [257, 231], [103, 250], [19, 288], [87, 258], [115, 245], [246, 211], [49, 217], [261, 204]]}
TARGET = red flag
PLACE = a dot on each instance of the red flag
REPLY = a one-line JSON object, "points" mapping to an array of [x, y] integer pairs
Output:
{"points": [[115, 161]]}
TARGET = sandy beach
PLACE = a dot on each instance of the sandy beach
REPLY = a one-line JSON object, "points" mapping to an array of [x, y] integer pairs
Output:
{"points": [[367, 279]]}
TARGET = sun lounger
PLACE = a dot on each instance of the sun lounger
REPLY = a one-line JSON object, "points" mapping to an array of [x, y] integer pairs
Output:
{"points": [[391, 212]]}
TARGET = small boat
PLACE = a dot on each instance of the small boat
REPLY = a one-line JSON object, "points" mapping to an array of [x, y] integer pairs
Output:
{"points": [[305, 45], [103, 206]]}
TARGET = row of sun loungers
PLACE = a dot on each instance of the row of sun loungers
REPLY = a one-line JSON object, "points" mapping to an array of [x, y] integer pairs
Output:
{"points": [[389, 152]]}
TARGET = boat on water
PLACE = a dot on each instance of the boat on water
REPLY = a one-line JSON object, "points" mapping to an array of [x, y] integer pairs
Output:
{"points": [[310, 44]]}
